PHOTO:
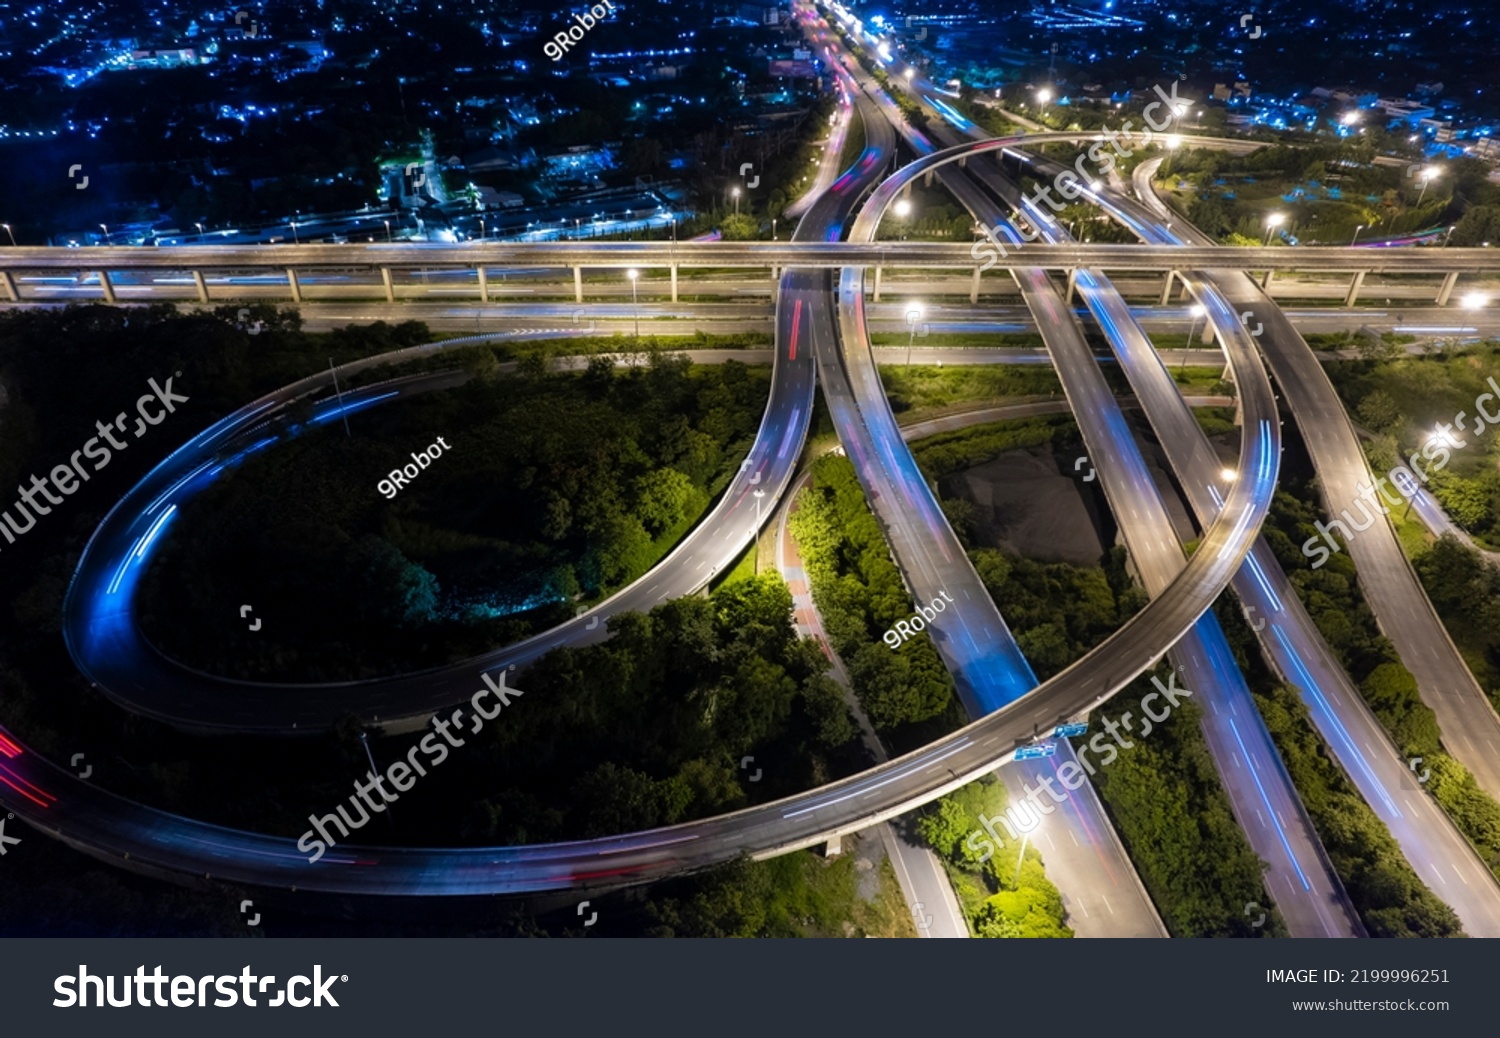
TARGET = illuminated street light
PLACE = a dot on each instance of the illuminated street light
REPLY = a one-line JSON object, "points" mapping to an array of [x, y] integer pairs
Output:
{"points": [[1197, 311], [1443, 437], [1174, 141], [1228, 474], [1472, 302], [11, 233], [200, 230], [106, 234], [1273, 221], [387, 230], [913, 315], [1427, 177], [1356, 235]]}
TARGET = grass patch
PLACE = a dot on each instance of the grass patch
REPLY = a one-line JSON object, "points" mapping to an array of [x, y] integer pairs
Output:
{"points": [[919, 389]]}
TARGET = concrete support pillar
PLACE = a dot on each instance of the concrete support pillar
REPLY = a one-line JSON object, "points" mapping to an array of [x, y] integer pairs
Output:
{"points": [[484, 284], [106, 286], [577, 284], [974, 287], [877, 284], [1444, 293], [906, 191], [1166, 289], [1072, 284], [1354, 286], [927, 179], [1265, 282], [674, 282], [291, 280], [834, 847], [963, 163], [390, 288], [202, 286], [8, 283]]}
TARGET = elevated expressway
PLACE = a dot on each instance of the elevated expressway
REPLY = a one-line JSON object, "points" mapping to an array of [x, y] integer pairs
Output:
{"points": [[153, 841]]}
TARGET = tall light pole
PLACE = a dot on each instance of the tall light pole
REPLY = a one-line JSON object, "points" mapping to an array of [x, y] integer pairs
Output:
{"points": [[773, 229], [1356, 235], [912, 317], [200, 230], [11, 233], [902, 209], [105, 229], [1449, 236], [387, 231], [1427, 176], [1472, 302], [635, 299], [364, 739], [736, 194], [1197, 311], [481, 228], [1273, 221], [295, 240], [755, 544]]}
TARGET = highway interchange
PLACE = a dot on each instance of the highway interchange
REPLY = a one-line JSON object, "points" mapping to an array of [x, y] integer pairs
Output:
{"points": [[821, 338]]}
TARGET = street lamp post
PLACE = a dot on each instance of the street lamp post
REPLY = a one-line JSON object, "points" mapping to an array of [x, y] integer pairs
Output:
{"points": [[1449, 236], [1473, 302], [736, 194], [295, 240], [902, 209], [481, 228], [11, 233], [1273, 221], [1197, 311], [387, 231], [1356, 235], [773, 229], [200, 230], [364, 739], [1427, 175], [635, 300], [105, 229], [912, 317], [755, 542]]}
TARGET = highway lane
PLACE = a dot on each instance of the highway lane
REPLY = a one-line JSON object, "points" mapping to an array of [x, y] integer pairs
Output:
{"points": [[1086, 858], [422, 287], [1467, 720], [28, 260], [1299, 878], [1297, 651]]}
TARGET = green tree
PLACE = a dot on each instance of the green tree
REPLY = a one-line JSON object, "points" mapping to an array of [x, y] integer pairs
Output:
{"points": [[1379, 410]]}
